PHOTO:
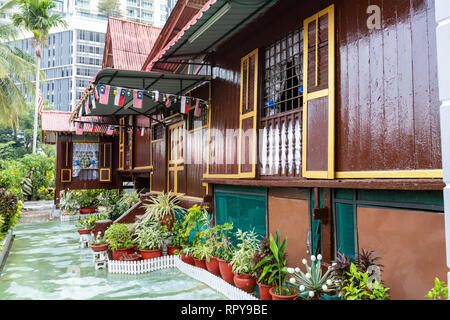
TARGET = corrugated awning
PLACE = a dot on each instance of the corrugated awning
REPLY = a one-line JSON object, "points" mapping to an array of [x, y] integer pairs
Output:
{"points": [[174, 84], [217, 21]]}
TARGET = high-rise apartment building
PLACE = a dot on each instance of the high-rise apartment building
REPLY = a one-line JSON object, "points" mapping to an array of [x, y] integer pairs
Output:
{"points": [[74, 55]]}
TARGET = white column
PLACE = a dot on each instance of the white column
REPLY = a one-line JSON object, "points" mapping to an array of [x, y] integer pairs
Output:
{"points": [[443, 51]]}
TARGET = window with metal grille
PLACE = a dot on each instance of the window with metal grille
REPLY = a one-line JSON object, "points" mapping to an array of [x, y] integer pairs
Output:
{"points": [[157, 132], [198, 122], [283, 75]]}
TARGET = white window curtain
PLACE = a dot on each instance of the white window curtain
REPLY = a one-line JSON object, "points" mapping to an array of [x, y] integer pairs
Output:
{"points": [[85, 161]]}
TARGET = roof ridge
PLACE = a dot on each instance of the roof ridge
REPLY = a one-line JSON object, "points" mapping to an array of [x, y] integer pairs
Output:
{"points": [[138, 23]]}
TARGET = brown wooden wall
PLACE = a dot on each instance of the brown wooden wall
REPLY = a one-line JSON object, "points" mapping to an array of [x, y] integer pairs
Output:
{"points": [[81, 185], [387, 92], [387, 109]]}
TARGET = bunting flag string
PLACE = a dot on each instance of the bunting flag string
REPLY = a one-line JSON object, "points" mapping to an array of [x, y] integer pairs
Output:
{"points": [[101, 93]]}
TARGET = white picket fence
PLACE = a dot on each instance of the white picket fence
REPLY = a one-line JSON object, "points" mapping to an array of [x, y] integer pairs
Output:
{"points": [[141, 266], [166, 262], [69, 217]]}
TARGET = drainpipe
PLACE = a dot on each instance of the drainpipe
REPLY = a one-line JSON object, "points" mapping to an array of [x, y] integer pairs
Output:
{"points": [[443, 49]]}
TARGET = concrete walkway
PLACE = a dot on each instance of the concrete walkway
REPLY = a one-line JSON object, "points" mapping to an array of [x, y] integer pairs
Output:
{"points": [[37, 211]]}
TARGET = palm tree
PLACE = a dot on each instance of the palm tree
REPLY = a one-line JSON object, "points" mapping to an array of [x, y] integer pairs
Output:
{"points": [[16, 66], [34, 16]]}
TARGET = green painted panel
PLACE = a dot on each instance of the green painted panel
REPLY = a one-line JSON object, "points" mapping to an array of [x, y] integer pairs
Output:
{"points": [[435, 198], [246, 212], [316, 228], [345, 227], [345, 194], [246, 189]]}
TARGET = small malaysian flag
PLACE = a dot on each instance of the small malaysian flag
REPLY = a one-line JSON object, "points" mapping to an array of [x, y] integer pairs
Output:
{"points": [[40, 102]]}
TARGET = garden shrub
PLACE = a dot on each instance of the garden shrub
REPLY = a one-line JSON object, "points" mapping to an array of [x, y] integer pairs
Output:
{"points": [[10, 210], [42, 169]]}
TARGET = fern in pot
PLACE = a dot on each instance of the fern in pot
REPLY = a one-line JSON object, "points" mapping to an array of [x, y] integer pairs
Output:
{"points": [[243, 263], [150, 240]]}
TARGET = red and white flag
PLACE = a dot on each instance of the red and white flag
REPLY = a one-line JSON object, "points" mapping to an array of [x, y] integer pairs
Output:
{"points": [[138, 98], [198, 110], [86, 106], [120, 97], [104, 93], [79, 128], [94, 106], [40, 102], [185, 104], [168, 101]]}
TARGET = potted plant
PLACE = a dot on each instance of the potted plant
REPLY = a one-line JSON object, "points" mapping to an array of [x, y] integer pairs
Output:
{"points": [[313, 284], [243, 264], [150, 240], [120, 240], [264, 282], [163, 207], [200, 252], [194, 222], [224, 255], [213, 238], [68, 203], [85, 225], [87, 200], [277, 270], [99, 242], [176, 238]]}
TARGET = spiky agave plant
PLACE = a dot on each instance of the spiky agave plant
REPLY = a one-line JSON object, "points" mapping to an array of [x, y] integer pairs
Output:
{"points": [[160, 206]]}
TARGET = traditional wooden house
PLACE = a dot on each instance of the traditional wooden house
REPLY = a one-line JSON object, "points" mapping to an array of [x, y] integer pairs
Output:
{"points": [[322, 122]]}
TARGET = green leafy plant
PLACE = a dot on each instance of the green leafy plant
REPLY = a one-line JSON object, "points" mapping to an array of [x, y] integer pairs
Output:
{"points": [[119, 236], [176, 234], [10, 210], [162, 205], [439, 291], [313, 284], [98, 239], [195, 221], [243, 257], [68, 203], [150, 237], [263, 252], [86, 223], [87, 198], [276, 271], [358, 287]]}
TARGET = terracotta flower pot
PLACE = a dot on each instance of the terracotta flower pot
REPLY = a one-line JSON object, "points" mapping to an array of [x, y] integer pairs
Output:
{"points": [[226, 272], [171, 250], [278, 297], [150, 254], [213, 266], [200, 263], [117, 254], [84, 231], [187, 259], [264, 291], [99, 248], [244, 282], [87, 210]]}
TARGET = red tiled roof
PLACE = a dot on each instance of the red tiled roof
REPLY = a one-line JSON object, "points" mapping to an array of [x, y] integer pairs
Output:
{"points": [[56, 121], [181, 15], [129, 44]]}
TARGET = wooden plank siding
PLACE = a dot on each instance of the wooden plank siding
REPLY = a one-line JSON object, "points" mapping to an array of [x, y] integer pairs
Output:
{"points": [[387, 105]]}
